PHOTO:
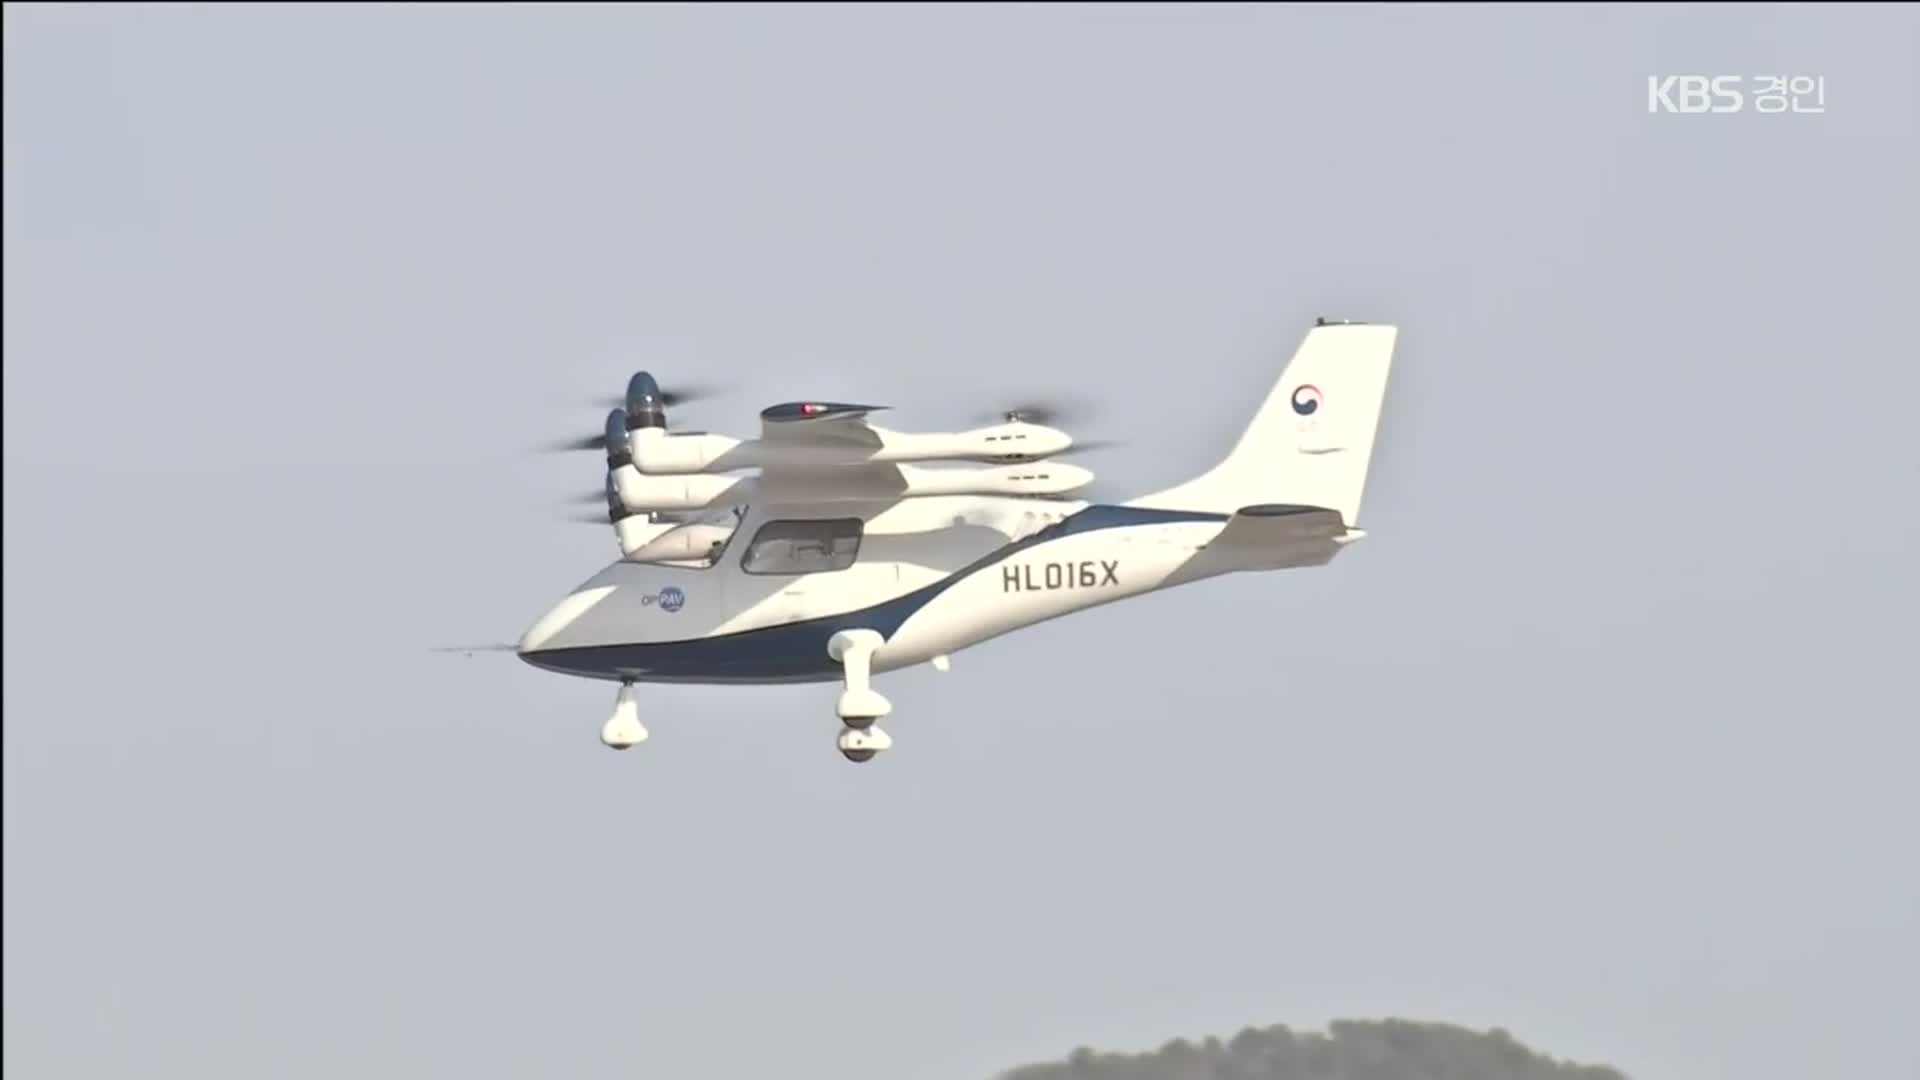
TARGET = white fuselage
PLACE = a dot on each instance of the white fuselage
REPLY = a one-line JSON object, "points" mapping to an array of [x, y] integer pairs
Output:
{"points": [[931, 575]]}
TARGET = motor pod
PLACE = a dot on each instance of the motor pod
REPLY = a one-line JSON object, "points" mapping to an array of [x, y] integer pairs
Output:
{"points": [[659, 454], [641, 493], [1044, 478], [1036, 478], [632, 529], [1018, 441]]}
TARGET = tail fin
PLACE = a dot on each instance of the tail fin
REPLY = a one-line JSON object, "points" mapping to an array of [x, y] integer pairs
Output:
{"points": [[1312, 439]]}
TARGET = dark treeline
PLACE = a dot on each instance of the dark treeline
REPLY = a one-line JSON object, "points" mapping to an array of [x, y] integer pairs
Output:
{"points": [[1348, 1050]]}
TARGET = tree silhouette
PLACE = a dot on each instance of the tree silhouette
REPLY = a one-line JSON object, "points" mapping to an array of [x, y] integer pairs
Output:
{"points": [[1347, 1050]]}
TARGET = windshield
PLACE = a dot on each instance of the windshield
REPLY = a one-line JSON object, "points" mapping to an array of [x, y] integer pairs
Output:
{"points": [[696, 539], [716, 526]]}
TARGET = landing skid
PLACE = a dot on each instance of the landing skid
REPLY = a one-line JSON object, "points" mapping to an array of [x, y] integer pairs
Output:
{"points": [[859, 706]]}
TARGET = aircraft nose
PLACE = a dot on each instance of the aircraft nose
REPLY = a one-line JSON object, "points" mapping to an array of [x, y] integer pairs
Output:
{"points": [[549, 631]]}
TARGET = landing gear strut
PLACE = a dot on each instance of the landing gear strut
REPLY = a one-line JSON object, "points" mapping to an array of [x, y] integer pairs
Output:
{"points": [[860, 705], [624, 729]]}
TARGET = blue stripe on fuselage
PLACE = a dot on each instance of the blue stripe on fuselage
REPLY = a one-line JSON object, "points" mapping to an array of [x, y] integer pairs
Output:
{"points": [[797, 652]]}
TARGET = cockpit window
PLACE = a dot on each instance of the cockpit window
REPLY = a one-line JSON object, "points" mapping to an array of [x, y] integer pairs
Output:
{"points": [[809, 546]]}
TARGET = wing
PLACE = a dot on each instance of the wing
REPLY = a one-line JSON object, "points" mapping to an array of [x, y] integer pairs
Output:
{"points": [[831, 483], [824, 423], [1280, 535]]}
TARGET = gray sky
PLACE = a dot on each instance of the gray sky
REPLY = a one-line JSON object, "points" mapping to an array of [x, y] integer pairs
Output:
{"points": [[1606, 734]]}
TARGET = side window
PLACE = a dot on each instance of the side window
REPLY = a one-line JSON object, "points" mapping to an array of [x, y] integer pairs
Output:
{"points": [[803, 546]]}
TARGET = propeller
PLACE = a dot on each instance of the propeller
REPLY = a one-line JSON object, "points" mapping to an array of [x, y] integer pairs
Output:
{"points": [[1037, 411], [669, 396], [1052, 412], [613, 432], [585, 442], [643, 405]]}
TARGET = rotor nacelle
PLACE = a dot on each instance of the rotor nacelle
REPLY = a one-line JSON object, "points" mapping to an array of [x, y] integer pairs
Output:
{"points": [[619, 443], [646, 406]]}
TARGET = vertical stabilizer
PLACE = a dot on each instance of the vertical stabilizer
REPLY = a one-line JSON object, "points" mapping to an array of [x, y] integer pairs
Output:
{"points": [[1311, 441]]}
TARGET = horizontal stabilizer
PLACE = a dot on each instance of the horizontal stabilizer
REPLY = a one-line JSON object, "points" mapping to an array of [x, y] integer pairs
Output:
{"points": [[1283, 535]]}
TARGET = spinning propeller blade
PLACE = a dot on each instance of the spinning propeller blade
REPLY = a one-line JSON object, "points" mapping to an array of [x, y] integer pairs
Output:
{"points": [[612, 434], [588, 442], [1043, 410], [1052, 412], [670, 396], [643, 405]]}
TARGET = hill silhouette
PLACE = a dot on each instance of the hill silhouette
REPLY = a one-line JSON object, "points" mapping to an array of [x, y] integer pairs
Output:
{"points": [[1347, 1050]]}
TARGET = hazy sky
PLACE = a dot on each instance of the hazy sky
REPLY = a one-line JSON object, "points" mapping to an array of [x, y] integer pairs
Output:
{"points": [[1607, 734]]}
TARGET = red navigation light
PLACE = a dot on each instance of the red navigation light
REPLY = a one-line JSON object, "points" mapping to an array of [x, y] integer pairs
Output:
{"points": [[810, 408]]}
